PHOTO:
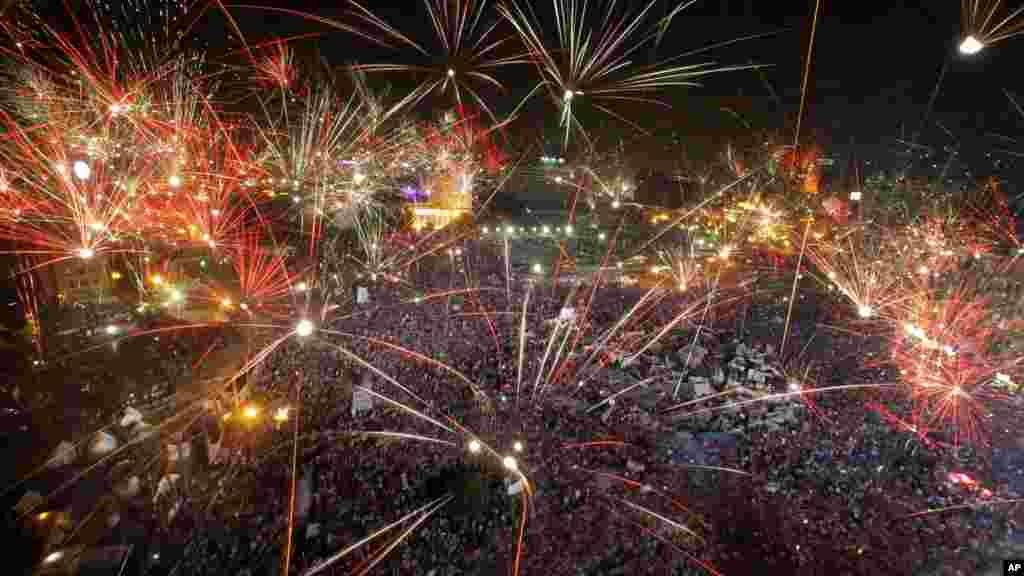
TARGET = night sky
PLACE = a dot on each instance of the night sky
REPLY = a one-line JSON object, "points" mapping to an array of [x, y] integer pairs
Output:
{"points": [[875, 68]]}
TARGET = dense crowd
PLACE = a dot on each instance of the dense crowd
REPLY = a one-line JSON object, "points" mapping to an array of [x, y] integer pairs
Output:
{"points": [[831, 491]]}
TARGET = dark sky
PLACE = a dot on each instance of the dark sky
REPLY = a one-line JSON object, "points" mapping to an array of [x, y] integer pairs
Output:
{"points": [[875, 67]]}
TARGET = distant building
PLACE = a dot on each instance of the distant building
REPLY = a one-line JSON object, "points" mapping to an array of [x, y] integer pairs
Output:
{"points": [[85, 281], [545, 183]]}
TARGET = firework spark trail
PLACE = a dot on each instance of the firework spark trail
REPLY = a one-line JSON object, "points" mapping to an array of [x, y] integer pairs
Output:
{"points": [[602, 341], [522, 343], [401, 537], [295, 475], [424, 511], [648, 488], [807, 74], [590, 301], [796, 281], [979, 21], [544, 358], [467, 56], [696, 209], [667, 542], [524, 504], [395, 403], [556, 365], [596, 444], [594, 63], [416, 355], [681, 527], [611, 397], [965, 507], [685, 315], [700, 327], [771, 397]]}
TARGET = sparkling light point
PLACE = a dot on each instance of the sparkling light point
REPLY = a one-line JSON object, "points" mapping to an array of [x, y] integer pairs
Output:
{"points": [[81, 170], [304, 328], [971, 46]]}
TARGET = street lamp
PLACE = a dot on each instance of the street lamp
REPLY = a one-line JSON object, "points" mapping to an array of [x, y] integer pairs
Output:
{"points": [[510, 463], [86, 253], [971, 46]]}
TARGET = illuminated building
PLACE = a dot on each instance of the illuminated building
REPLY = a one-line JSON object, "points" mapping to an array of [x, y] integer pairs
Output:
{"points": [[450, 197], [78, 280]]}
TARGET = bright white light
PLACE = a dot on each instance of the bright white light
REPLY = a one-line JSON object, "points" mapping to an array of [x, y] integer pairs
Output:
{"points": [[856, 195], [865, 311], [281, 414], [546, 230], [487, 230], [451, 72], [510, 463], [174, 181], [53, 557], [301, 287], [86, 253], [518, 446], [558, 179], [616, 204], [601, 236], [474, 446], [176, 295], [970, 46], [568, 230], [304, 328], [81, 170], [794, 386], [568, 95], [537, 269], [112, 329]]}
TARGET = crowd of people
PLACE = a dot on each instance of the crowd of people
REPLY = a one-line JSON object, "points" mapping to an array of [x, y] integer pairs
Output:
{"points": [[834, 490]]}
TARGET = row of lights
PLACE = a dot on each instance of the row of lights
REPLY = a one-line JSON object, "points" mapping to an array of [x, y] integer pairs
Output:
{"points": [[544, 230]]}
